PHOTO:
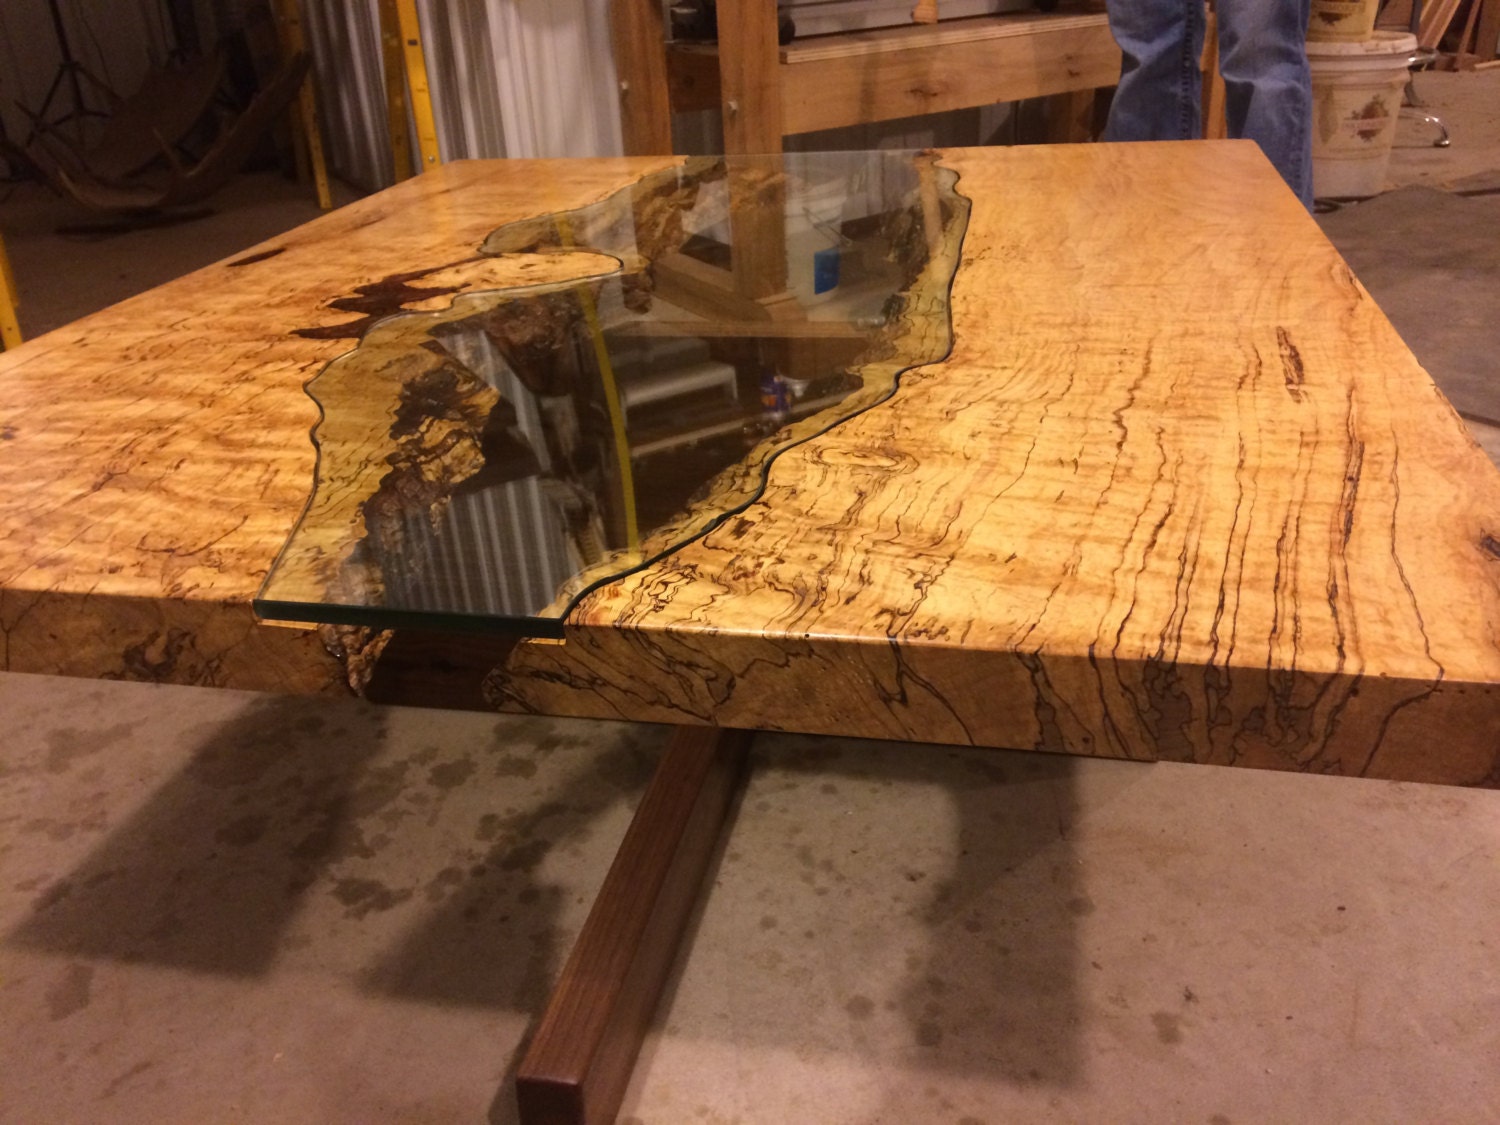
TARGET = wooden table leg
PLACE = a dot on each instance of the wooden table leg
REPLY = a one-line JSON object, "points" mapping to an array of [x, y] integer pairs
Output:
{"points": [[580, 1059]]}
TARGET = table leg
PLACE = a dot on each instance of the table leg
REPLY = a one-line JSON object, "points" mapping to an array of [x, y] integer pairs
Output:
{"points": [[585, 1046]]}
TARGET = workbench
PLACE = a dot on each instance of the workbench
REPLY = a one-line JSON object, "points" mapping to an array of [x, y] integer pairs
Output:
{"points": [[765, 91]]}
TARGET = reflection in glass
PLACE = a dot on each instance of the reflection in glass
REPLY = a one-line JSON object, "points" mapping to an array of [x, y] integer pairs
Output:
{"points": [[487, 465]]}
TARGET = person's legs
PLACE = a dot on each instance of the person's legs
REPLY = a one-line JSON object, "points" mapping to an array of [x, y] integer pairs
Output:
{"points": [[1267, 85], [1158, 98]]}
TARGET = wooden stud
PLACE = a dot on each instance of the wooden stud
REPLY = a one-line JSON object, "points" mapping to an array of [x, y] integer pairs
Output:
{"points": [[749, 76], [757, 223], [578, 1064], [1465, 58], [1487, 38], [1436, 16], [640, 64], [706, 290], [693, 77]]}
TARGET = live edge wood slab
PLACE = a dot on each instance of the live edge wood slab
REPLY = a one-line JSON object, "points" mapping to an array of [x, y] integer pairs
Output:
{"points": [[1179, 491]]}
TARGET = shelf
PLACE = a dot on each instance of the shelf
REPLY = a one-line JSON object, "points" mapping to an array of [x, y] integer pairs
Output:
{"points": [[829, 81]]}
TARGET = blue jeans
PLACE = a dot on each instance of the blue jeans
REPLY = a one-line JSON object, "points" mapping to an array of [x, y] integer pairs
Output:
{"points": [[1267, 86]]}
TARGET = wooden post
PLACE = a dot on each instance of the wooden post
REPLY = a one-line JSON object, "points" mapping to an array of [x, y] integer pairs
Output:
{"points": [[641, 66], [757, 227], [750, 76], [1487, 38], [579, 1062], [416, 83], [289, 15], [395, 89]]}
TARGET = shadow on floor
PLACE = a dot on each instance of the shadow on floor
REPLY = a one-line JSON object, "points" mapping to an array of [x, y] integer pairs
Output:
{"points": [[1431, 261], [295, 807], [997, 901], [207, 875]]}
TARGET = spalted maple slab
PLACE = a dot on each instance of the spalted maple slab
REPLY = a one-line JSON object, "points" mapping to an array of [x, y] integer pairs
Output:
{"points": [[1179, 492], [155, 456]]}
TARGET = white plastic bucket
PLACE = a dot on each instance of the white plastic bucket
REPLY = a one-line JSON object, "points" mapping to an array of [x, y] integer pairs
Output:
{"points": [[1356, 98], [813, 216], [1348, 21]]}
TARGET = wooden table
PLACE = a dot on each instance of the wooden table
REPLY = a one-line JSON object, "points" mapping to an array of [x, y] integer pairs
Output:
{"points": [[1178, 492]]}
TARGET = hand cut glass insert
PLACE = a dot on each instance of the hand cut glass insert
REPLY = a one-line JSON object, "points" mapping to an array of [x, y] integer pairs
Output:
{"points": [[487, 465]]}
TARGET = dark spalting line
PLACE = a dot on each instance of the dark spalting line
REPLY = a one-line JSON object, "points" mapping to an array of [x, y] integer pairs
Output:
{"points": [[380, 299], [140, 664], [1292, 369], [1411, 595], [1049, 731], [251, 259]]}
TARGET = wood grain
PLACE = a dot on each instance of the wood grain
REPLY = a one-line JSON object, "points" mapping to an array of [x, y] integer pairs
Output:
{"points": [[638, 35], [155, 456], [1179, 492], [749, 77], [832, 81], [1487, 38]]}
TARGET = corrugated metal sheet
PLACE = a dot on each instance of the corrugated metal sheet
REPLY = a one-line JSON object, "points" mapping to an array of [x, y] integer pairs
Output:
{"points": [[508, 78]]}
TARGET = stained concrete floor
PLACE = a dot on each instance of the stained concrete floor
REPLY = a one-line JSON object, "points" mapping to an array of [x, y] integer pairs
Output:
{"points": [[225, 907]]}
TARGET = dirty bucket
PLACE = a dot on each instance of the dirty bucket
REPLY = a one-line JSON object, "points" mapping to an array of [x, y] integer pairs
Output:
{"points": [[1356, 98], [1344, 21]]}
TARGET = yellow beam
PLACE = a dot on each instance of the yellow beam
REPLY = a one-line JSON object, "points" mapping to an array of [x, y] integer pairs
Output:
{"points": [[10, 327], [416, 83], [395, 89], [611, 400]]}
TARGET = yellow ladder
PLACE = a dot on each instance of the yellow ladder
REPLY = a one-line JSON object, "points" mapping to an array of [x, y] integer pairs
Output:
{"points": [[406, 73], [10, 327]]}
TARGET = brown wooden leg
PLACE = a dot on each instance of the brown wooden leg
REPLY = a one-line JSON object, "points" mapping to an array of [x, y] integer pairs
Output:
{"points": [[580, 1059], [1215, 126]]}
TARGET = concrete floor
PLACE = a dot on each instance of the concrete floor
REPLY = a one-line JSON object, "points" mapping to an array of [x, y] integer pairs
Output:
{"points": [[226, 907]]}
